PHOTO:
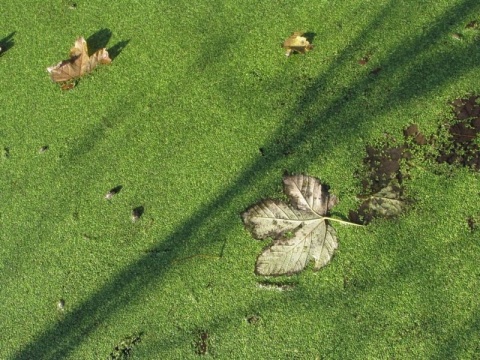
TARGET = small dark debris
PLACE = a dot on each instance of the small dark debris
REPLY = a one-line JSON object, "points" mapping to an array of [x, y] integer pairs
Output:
{"points": [[363, 60], [113, 192], [124, 349], [43, 149], [376, 71], [472, 25], [6, 153], [201, 342], [137, 213], [253, 319], [472, 223], [73, 6], [262, 151]]}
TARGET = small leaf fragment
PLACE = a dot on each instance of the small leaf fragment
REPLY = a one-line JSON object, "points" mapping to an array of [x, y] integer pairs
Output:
{"points": [[297, 42], [113, 192], [137, 213], [61, 305], [6, 153]]}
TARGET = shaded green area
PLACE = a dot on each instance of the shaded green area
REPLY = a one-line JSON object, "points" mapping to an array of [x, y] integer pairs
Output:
{"points": [[198, 116]]}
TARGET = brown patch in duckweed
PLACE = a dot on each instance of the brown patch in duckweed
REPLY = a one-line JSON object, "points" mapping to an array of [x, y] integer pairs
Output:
{"points": [[473, 222], [412, 132], [382, 182], [363, 60], [463, 145], [124, 349], [202, 342], [253, 319], [384, 165]]}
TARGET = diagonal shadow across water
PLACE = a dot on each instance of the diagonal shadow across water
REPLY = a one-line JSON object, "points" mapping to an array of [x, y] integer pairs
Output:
{"points": [[62, 338]]}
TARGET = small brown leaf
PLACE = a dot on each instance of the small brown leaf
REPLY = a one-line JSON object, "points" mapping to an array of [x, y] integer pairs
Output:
{"points": [[78, 65], [363, 60], [297, 43]]}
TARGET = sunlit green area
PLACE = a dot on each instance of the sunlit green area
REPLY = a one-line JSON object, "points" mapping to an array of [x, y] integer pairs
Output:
{"points": [[199, 116]]}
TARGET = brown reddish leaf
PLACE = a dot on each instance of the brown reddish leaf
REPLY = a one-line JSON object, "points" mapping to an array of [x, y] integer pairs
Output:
{"points": [[79, 63], [297, 42]]}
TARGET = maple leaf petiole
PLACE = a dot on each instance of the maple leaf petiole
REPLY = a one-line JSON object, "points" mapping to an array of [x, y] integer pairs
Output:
{"points": [[341, 221]]}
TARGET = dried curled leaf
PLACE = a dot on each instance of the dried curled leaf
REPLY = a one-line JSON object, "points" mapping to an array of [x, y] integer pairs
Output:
{"points": [[299, 230], [79, 63], [297, 43]]}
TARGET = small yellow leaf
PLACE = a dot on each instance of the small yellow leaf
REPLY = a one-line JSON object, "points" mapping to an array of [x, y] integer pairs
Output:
{"points": [[297, 43]]}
